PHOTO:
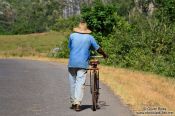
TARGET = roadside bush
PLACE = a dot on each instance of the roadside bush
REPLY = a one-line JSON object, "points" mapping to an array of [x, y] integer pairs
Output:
{"points": [[63, 51], [142, 47]]}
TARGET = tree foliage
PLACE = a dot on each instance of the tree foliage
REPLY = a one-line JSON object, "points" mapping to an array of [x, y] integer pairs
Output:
{"points": [[143, 42], [100, 17], [166, 10], [33, 15]]}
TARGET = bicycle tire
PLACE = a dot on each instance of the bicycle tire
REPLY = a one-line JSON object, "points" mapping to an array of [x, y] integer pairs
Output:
{"points": [[94, 90]]}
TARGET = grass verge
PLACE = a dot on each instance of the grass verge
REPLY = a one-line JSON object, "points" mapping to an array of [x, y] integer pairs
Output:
{"points": [[39, 44]]}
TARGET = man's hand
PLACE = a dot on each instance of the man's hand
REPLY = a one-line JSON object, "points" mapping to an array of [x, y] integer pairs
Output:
{"points": [[105, 56], [100, 51]]}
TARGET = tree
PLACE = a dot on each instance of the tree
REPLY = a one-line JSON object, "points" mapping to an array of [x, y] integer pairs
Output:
{"points": [[166, 10], [100, 17], [7, 16]]}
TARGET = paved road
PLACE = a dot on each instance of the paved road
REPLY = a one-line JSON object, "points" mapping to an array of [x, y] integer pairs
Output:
{"points": [[35, 88]]}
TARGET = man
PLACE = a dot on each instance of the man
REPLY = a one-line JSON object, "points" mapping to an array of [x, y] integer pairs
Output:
{"points": [[80, 43]]}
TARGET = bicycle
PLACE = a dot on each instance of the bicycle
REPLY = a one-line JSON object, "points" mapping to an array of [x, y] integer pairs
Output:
{"points": [[94, 81]]}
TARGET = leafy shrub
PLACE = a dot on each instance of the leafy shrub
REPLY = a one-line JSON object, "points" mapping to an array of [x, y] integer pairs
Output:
{"points": [[100, 17], [142, 47], [63, 52], [166, 10], [66, 24]]}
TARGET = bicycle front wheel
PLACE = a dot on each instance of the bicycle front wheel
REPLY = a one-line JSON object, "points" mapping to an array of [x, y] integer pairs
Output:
{"points": [[94, 90]]}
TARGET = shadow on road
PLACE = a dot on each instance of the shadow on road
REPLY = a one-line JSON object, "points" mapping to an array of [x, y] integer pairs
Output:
{"points": [[86, 107], [100, 103]]}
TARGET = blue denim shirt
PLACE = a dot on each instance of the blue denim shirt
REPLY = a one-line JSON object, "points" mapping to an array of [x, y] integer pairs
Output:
{"points": [[79, 45]]}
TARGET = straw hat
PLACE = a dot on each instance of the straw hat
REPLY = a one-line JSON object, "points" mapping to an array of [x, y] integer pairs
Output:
{"points": [[82, 28]]}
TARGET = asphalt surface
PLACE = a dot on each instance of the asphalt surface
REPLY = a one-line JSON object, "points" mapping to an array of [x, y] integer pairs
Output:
{"points": [[35, 88]]}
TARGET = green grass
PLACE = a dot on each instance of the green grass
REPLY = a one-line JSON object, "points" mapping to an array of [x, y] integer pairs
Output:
{"points": [[31, 44]]}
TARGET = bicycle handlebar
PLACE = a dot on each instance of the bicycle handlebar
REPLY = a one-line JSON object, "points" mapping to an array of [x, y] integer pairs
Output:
{"points": [[96, 56]]}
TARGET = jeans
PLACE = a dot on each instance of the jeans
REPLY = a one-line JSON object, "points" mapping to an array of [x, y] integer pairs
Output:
{"points": [[77, 77]]}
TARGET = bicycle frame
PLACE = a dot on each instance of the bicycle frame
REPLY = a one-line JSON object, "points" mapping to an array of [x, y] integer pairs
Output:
{"points": [[94, 69], [97, 72], [94, 83]]}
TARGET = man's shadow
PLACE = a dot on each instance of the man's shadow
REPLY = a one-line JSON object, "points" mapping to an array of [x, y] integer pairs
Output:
{"points": [[100, 103], [84, 107]]}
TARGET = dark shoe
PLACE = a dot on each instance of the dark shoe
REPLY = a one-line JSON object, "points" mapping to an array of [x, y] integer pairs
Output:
{"points": [[73, 106], [77, 108]]}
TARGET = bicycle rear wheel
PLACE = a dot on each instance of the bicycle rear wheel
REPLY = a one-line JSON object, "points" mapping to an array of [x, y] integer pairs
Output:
{"points": [[94, 90]]}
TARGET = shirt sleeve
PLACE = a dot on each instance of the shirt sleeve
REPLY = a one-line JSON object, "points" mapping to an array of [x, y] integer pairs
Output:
{"points": [[94, 43]]}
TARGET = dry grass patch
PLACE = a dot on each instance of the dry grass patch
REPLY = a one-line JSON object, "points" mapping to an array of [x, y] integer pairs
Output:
{"points": [[140, 89], [41, 58]]}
